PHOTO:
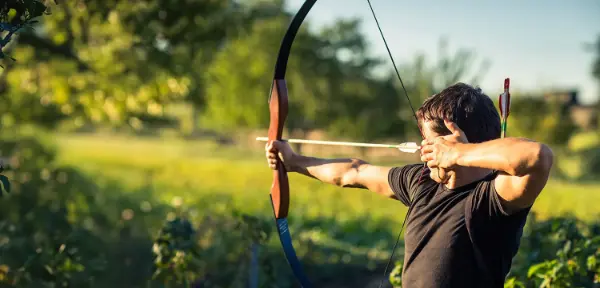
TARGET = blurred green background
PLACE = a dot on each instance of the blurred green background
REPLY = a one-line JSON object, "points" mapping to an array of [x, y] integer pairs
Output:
{"points": [[127, 127]]}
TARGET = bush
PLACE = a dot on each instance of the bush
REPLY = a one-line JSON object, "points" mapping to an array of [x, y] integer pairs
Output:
{"points": [[559, 252], [60, 228]]}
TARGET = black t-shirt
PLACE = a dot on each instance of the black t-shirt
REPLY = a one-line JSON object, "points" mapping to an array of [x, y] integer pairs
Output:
{"points": [[455, 237]]}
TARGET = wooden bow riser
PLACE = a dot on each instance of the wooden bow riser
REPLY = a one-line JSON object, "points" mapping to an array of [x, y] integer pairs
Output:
{"points": [[278, 107]]}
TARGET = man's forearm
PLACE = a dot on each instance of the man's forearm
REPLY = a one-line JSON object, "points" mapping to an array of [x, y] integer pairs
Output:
{"points": [[332, 171], [515, 156]]}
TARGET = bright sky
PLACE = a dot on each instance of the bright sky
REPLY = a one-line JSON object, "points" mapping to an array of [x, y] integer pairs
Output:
{"points": [[538, 44]]}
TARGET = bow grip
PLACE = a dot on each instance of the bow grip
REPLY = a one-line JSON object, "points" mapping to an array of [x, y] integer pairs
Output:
{"points": [[278, 108]]}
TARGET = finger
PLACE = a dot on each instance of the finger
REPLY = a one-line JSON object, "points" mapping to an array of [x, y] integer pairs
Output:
{"points": [[454, 128], [427, 149], [271, 163], [451, 126], [272, 146], [439, 139], [432, 164], [433, 174], [443, 174], [426, 142], [427, 157], [270, 152], [275, 147], [278, 145]]}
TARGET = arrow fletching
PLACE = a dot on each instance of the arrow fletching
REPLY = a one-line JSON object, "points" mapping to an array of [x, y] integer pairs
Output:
{"points": [[504, 105], [409, 147], [504, 100]]}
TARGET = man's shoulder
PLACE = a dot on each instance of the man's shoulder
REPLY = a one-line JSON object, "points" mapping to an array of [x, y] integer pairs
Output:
{"points": [[405, 181], [409, 169], [485, 199]]}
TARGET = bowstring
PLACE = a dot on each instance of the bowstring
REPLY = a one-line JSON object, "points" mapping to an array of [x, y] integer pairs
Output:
{"points": [[387, 266]]}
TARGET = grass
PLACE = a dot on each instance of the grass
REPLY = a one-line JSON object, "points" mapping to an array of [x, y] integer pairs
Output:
{"points": [[242, 174], [204, 174]]}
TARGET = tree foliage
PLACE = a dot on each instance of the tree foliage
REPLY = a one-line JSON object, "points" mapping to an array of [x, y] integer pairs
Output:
{"points": [[16, 15], [595, 49], [549, 116]]}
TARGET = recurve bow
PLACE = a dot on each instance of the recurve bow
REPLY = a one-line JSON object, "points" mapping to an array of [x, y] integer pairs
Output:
{"points": [[278, 107]]}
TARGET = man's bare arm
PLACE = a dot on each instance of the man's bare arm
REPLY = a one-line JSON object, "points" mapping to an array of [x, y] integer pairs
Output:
{"points": [[348, 172], [524, 165], [351, 173]]}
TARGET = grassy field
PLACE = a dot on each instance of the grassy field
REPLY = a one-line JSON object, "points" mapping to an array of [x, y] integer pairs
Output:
{"points": [[338, 227], [192, 169], [204, 174], [233, 178]]}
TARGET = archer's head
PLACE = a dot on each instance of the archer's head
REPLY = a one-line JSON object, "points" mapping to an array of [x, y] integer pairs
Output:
{"points": [[467, 106]]}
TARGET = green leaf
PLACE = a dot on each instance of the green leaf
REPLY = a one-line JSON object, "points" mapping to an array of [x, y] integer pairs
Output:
{"points": [[592, 262], [49, 269], [536, 269]]}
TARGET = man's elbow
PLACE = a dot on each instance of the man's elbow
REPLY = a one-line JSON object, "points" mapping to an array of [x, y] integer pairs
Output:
{"points": [[545, 159], [350, 177], [542, 161], [541, 172], [539, 161]]}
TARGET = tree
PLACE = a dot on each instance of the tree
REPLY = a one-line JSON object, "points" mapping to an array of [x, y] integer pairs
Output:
{"points": [[551, 122], [183, 36], [424, 77], [329, 82], [87, 64], [16, 15], [595, 48]]}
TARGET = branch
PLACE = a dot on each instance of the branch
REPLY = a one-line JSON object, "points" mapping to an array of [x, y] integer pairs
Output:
{"points": [[45, 44]]}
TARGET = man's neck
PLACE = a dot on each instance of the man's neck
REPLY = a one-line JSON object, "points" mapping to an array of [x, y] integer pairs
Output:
{"points": [[465, 176]]}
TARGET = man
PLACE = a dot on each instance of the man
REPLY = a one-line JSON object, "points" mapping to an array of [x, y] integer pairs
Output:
{"points": [[466, 214]]}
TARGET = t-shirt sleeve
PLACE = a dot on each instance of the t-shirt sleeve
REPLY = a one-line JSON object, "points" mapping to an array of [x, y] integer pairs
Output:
{"points": [[487, 201], [404, 180]]}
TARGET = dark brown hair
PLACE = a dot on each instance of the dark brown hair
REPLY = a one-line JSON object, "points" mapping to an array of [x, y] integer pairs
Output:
{"points": [[468, 107]]}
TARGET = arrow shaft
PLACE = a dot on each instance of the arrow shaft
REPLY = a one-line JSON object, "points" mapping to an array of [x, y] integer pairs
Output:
{"points": [[339, 143]]}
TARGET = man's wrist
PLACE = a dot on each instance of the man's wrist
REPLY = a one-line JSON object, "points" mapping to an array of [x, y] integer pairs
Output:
{"points": [[293, 164], [461, 152]]}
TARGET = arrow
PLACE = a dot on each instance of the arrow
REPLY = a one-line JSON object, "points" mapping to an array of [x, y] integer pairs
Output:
{"points": [[407, 147], [504, 105]]}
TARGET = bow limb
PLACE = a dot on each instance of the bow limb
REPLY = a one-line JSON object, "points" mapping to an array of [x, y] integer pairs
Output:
{"points": [[278, 108]]}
